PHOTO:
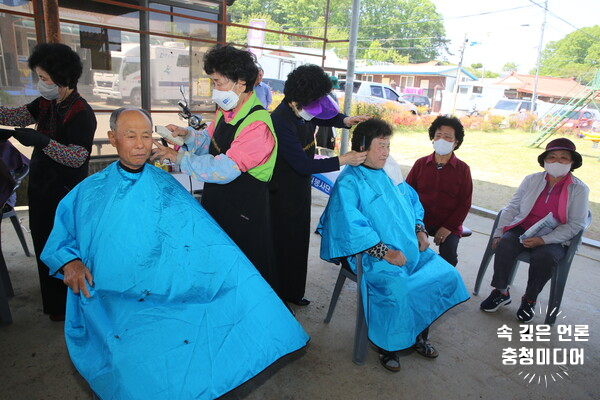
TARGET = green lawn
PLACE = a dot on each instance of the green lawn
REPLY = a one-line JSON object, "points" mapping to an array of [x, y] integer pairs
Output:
{"points": [[499, 161]]}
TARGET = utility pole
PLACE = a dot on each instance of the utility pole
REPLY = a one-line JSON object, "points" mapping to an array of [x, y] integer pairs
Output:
{"points": [[537, 64], [458, 71], [350, 71]]}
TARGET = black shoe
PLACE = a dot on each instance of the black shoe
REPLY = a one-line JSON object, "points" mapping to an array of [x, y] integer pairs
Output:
{"points": [[495, 300], [526, 311], [301, 302], [57, 317]]}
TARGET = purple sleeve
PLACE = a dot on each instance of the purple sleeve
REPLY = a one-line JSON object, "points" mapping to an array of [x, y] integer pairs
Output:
{"points": [[292, 152]]}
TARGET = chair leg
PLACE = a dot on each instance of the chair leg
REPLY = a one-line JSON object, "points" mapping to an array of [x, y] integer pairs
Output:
{"points": [[557, 289], [17, 224], [485, 261], [339, 284], [361, 337]]}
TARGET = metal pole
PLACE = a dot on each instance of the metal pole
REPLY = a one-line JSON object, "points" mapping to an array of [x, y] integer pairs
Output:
{"points": [[145, 57], [325, 34], [350, 71], [458, 71], [537, 64]]}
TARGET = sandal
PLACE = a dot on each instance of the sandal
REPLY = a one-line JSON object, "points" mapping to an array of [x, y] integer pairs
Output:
{"points": [[426, 349], [390, 360]]}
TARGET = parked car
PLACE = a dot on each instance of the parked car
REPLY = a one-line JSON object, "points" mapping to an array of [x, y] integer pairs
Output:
{"points": [[507, 107], [418, 100], [276, 85], [581, 119], [377, 93]]}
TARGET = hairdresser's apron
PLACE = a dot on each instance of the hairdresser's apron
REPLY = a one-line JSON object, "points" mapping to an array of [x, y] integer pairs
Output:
{"points": [[241, 207]]}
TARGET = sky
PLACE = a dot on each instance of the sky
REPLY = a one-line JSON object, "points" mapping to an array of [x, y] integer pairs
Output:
{"points": [[509, 30]]}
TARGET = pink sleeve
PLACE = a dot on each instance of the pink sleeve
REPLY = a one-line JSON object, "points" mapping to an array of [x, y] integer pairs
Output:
{"points": [[252, 147]]}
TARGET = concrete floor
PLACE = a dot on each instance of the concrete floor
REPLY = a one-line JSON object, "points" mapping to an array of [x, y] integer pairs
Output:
{"points": [[34, 363]]}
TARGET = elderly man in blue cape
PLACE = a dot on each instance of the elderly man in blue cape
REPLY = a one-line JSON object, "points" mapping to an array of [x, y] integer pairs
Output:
{"points": [[405, 286], [163, 304]]}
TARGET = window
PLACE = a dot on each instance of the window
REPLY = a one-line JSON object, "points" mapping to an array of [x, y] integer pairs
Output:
{"points": [[477, 89], [376, 91], [390, 94], [407, 81], [368, 78]]}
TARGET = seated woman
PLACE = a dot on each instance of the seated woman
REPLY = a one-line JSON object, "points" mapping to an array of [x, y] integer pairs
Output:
{"points": [[444, 185], [406, 286], [554, 191]]}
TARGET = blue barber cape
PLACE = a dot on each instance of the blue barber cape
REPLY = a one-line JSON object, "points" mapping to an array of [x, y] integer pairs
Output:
{"points": [[366, 208], [177, 311]]}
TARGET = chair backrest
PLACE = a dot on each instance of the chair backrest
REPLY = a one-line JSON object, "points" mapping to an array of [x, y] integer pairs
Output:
{"points": [[576, 241], [19, 175]]}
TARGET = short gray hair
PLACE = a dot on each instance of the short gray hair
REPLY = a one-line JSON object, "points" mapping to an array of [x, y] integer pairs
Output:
{"points": [[114, 117]]}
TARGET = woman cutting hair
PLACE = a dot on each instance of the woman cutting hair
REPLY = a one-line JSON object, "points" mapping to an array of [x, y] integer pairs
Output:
{"points": [[62, 142], [306, 106], [234, 156]]}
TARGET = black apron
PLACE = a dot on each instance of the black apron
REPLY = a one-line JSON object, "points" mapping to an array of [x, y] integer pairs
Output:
{"points": [[241, 207], [291, 216]]}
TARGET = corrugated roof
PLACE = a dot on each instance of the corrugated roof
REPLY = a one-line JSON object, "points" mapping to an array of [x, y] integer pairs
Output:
{"points": [[547, 85]]}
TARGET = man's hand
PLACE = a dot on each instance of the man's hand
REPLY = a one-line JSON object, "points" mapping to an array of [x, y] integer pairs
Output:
{"points": [[163, 153], [395, 257], [353, 158], [533, 242], [351, 121], [31, 137], [441, 235], [423, 241], [76, 273]]}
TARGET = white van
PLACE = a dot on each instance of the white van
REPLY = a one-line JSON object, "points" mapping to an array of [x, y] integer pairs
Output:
{"points": [[169, 69]]}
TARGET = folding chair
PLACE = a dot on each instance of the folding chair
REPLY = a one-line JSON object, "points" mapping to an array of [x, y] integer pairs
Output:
{"points": [[18, 176], [6, 290], [559, 274], [361, 338]]}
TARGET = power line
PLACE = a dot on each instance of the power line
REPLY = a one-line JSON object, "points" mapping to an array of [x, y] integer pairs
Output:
{"points": [[564, 20], [415, 22]]}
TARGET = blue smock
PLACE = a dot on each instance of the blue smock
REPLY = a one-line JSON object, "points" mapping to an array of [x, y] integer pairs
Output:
{"points": [[177, 311], [366, 208]]}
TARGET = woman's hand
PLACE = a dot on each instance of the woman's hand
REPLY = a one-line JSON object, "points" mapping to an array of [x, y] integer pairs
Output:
{"points": [[351, 121], [162, 153], [177, 130], [75, 274], [441, 235], [533, 242], [495, 243], [353, 158], [423, 241], [395, 257]]}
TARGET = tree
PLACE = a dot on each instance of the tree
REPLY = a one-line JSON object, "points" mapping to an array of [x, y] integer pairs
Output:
{"points": [[576, 55], [475, 70], [510, 67], [413, 28], [376, 52]]}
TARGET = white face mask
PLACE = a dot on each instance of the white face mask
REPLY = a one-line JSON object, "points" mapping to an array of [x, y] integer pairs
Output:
{"points": [[557, 169], [443, 147], [306, 116], [226, 100], [49, 92]]}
